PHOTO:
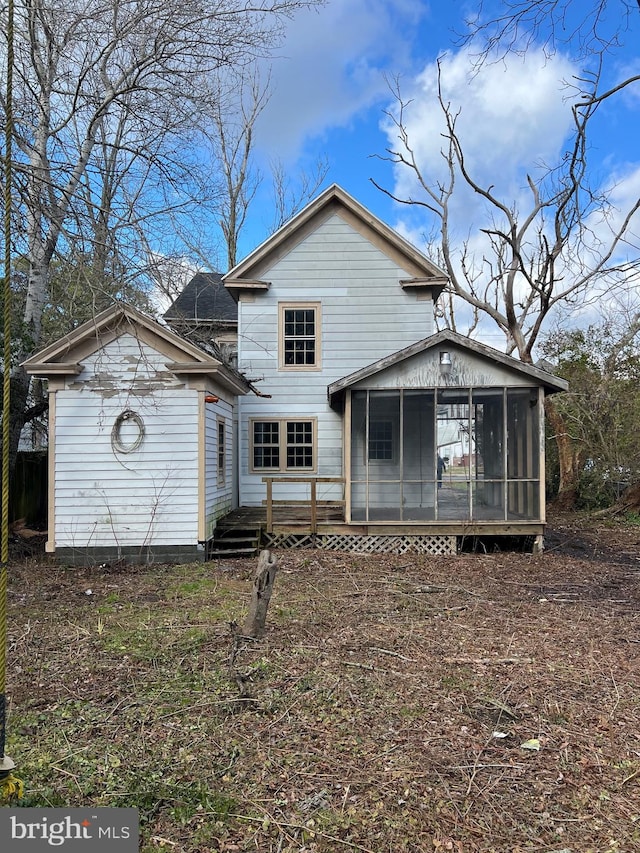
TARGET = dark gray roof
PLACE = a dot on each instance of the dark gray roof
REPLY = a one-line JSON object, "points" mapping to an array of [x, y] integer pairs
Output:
{"points": [[205, 299]]}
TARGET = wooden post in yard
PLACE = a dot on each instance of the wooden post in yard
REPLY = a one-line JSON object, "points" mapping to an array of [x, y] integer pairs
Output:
{"points": [[260, 596]]}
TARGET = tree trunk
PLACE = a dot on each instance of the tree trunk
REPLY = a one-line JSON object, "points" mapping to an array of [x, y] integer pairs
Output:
{"points": [[261, 594], [567, 457]]}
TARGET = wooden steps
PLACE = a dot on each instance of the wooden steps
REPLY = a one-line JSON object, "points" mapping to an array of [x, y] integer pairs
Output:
{"points": [[234, 541]]}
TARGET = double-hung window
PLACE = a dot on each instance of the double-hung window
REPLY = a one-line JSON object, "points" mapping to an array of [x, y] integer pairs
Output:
{"points": [[299, 338], [283, 445]]}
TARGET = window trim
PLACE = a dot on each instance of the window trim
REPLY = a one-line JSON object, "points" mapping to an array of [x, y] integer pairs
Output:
{"points": [[305, 306], [221, 450], [282, 446]]}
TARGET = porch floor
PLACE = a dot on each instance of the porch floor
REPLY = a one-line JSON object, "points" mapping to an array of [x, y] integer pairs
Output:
{"points": [[296, 519], [283, 516]]}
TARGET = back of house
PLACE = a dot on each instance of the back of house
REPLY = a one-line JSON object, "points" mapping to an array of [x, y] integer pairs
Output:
{"points": [[413, 431]]}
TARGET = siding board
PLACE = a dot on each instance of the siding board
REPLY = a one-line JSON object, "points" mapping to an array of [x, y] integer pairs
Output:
{"points": [[219, 496]]}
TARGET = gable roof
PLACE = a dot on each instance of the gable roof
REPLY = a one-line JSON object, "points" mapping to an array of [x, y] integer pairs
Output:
{"points": [[63, 357], [551, 383], [247, 274], [204, 299]]}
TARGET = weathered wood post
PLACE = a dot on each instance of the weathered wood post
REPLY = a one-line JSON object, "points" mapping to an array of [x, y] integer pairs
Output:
{"points": [[260, 596]]}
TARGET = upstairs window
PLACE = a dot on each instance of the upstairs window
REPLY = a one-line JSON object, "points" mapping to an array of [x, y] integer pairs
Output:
{"points": [[299, 339]]}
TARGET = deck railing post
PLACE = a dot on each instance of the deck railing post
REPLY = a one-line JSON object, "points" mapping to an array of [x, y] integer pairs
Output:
{"points": [[269, 482], [312, 503], [314, 508]]}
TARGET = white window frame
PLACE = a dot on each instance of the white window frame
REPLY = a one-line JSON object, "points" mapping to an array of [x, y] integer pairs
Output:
{"points": [[221, 452], [283, 307], [283, 445]]}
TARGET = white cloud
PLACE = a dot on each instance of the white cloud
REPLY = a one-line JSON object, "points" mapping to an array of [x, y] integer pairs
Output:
{"points": [[332, 66], [624, 193], [512, 117]]}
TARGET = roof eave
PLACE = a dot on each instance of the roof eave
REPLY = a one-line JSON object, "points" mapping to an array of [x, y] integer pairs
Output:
{"points": [[214, 370], [236, 286], [59, 368], [333, 194], [110, 318], [436, 285]]}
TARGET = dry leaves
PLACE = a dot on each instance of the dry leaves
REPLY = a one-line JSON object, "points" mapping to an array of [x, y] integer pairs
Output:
{"points": [[367, 719]]}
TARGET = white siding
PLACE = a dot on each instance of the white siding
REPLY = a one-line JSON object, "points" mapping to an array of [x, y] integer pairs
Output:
{"points": [[366, 315], [145, 497], [219, 497], [125, 363]]}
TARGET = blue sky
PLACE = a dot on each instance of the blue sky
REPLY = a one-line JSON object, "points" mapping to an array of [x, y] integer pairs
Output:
{"points": [[330, 91]]}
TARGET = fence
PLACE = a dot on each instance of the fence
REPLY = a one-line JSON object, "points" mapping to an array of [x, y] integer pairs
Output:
{"points": [[28, 489]]}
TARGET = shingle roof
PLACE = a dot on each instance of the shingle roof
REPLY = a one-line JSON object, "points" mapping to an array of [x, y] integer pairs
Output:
{"points": [[204, 299]]}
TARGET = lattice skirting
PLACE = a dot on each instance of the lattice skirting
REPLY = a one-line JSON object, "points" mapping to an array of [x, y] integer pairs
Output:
{"points": [[435, 545]]}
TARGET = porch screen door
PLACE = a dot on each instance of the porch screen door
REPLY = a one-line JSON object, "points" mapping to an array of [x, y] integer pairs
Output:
{"points": [[418, 456]]}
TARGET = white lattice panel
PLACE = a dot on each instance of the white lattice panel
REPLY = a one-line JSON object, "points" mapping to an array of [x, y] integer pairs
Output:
{"points": [[434, 545], [289, 540]]}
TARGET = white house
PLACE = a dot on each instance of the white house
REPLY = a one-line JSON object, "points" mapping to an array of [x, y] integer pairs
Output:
{"points": [[362, 397], [358, 424]]}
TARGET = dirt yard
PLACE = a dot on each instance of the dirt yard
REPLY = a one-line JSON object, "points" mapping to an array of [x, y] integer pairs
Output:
{"points": [[486, 702]]}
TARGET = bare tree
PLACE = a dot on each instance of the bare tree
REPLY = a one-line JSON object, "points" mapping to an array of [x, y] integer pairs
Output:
{"points": [[590, 26], [145, 208], [229, 183], [289, 197], [537, 258], [233, 122], [234, 119], [592, 29], [83, 68]]}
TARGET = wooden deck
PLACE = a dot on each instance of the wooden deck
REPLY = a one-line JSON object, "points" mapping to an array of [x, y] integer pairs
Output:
{"points": [[315, 517], [296, 519], [284, 516]]}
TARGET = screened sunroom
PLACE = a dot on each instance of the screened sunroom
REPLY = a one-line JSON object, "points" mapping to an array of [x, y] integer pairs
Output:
{"points": [[446, 431], [458, 454]]}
